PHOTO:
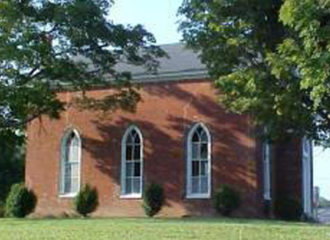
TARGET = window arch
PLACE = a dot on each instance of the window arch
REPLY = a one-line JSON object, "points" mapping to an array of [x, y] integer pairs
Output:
{"points": [[199, 162], [132, 163], [70, 163]]}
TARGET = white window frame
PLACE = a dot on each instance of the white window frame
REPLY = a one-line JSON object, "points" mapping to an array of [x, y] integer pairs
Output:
{"points": [[123, 163], [63, 160], [189, 194], [266, 157]]}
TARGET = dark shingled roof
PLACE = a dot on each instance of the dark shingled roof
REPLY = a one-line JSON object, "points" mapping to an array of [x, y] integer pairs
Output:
{"points": [[181, 64]]}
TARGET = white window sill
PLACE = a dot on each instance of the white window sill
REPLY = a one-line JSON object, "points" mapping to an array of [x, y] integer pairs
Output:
{"points": [[198, 196], [68, 195], [131, 196]]}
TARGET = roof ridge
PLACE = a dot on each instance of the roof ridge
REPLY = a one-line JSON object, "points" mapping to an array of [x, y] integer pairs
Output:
{"points": [[171, 44]]}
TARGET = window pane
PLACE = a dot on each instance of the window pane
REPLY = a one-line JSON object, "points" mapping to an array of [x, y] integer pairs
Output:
{"points": [[74, 185], [67, 170], [204, 185], [195, 137], [74, 141], [204, 137], [74, 170], [194, 184], [137, 152], [137, 185], [67, 178], [67, 185], [137, 169], [71, 154], [204, 151], [74, 154], [129, 139], [195, 168], [204, 168], [67, 153], [128, 186], [133, 133], [71, 178], [195, 150], [72, 148], [129, 169], [137, 139], [129, 152]]}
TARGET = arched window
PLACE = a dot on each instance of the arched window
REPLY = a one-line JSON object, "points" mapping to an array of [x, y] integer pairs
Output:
{"points": [[266, 157], [132, 163], [199, 162], [70, 163], [307, 161]]}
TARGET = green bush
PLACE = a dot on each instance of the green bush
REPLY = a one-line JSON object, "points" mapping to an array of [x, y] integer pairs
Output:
{"points": [[287, 208], [86, 201], [20, 201], [153, 199], [226, 200]]}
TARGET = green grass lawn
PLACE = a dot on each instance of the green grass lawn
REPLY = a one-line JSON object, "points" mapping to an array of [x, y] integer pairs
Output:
{"points": [[158, 229]]}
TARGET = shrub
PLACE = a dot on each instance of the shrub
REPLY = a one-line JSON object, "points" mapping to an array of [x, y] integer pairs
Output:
{"points": [[20, 201], [287, 208], [153, 199], [86, 201], [226, 200]]}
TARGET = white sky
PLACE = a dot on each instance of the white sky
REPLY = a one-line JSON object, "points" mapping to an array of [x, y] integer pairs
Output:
{"points": [[160, 18], [322, 170]]}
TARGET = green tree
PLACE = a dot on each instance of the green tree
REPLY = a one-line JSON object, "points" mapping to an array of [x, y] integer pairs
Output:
{"points": [[86, 201], [11, 161], [54, 45], [269, 58], [20, 202]]}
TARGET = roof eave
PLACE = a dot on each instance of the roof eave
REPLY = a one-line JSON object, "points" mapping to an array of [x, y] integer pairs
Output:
{"points": [[174, 76]]}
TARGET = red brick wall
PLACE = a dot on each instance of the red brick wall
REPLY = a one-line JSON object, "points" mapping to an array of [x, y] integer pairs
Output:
{"points": [[287, 167], [164, 115]]}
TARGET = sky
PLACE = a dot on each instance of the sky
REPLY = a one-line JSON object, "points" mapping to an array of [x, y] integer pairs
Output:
{"points": [[322, 170], [160, 18]]}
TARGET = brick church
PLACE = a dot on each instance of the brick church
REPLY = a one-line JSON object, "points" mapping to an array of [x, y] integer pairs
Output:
{"points": [[179, 137]]}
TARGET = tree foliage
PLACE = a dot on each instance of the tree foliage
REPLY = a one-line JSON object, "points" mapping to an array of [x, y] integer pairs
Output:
{"points": [[153, 199], [226, 200], [59, 44], [269, 58], [86, 201], [11, 161], [20, 201]]}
